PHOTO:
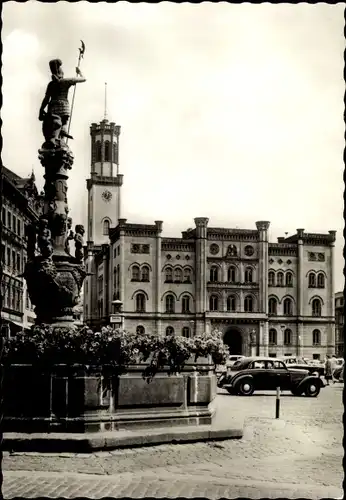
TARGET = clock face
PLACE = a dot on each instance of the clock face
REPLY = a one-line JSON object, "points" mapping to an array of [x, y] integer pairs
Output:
{"points": [[106, 195]]}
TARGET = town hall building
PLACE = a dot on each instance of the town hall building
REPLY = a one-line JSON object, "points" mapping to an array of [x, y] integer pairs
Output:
{"points": [[267, 298]]}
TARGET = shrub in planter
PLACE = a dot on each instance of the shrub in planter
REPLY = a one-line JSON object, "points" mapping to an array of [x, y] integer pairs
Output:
{"points": [[111, 349]]}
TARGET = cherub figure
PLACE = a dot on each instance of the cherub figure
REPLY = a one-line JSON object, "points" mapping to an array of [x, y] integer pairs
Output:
{"points": [[44, 239], [70, 235], [56, 100], [79, 242]]}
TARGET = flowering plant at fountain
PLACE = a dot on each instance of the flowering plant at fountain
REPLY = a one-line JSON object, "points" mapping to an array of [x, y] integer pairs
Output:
{"points": [[46, 346]]}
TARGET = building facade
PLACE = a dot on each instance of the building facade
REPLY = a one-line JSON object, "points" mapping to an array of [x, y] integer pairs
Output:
{"points": [[267, 298], [21, 205], [339, 324]]}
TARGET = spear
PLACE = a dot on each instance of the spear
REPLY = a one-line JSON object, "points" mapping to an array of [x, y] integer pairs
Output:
{"points": [[80, 57]]}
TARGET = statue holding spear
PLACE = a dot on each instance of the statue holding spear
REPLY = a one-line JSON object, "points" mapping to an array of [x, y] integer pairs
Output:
{"points": [[56, 118]]}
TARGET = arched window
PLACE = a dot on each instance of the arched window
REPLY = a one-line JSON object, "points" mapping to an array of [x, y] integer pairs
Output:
{"points": [[145, 273], [316, 337], [272, 336], [287, 336], [187, 275], [169, 275], [107, 151], [312, 280], [248, 275], [106, 227], [273, 306], [288, 307], [169, 330], [213, 303], [178, 275], [248, 303], [280, 279], [98, 151], [231, 303], [186, 304], [170, 304], [289, 279], [271, 278], [214, 273], [140, 302], [135, 273], [231, 274], [186, 332], [316, 307], [320, 280], [140, 330]]}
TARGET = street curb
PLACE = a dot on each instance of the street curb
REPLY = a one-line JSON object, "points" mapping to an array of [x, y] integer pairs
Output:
{"points": [[90, 442]]}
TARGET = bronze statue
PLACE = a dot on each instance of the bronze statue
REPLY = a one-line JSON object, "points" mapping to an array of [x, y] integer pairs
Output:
{"points": [[79, 242], [44, 239], [55, 120], [70, 235]]}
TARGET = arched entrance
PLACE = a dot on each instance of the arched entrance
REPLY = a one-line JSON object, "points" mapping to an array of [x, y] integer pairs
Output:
{"points": [[234, 340]]}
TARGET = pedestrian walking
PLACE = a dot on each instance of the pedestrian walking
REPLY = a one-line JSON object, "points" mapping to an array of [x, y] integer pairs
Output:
{"points": [[334, 367], [328, 375], [341, 378]]}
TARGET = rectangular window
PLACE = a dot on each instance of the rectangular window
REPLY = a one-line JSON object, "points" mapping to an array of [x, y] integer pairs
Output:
{"points": [[3, 216], [272, 355], [13, 259], [19, 228], [316, 356], [27, 300], [8, 257], [18, 262], [9, 220], [18, 300], [14, 223]]}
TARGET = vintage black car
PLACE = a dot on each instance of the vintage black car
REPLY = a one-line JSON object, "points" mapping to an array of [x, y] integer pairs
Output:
{"points": [[263, 374]]}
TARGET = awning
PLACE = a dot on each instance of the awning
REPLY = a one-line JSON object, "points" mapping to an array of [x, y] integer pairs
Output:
{"points": [[11, 321]]}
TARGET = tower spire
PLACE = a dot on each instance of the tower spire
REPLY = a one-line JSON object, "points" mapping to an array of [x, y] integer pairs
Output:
{"points": [[105, 114]]}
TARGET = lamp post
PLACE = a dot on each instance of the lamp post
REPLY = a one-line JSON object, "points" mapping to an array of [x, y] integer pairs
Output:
{"points": [[116, 318]]}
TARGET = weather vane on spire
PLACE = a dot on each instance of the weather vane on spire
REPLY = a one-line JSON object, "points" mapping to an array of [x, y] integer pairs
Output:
{"points": [[105, 115]]}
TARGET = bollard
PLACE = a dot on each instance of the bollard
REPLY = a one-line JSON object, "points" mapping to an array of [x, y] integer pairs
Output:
{"points": [[277, 409]]}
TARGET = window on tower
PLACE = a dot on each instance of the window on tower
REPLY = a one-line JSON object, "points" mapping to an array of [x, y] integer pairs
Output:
{"points": [[107, 151], [98, 151], [115, 152], [106, 227]]}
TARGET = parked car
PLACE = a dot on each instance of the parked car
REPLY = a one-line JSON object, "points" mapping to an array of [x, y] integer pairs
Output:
{"points": [[261, 373], [313, 366]]}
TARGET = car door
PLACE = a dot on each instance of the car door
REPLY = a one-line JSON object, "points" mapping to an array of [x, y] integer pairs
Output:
{"points": [[259, 372], [282, 375]]}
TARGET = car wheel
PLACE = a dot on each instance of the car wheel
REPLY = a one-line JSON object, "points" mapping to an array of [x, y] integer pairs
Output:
{"points": [[245, 388], [312, 389]]}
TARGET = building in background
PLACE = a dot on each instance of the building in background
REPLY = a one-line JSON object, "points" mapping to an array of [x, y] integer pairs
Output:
{"points": [[267, 298], [339, 324], [21, 205]]}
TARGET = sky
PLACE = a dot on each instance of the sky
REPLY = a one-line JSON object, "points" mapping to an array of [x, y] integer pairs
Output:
{"points": [[232, 112]]}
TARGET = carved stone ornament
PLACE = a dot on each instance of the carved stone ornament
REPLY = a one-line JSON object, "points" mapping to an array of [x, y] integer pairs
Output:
{"points": [[249, 250], [178, 257], [321, 257], [232, 251], [312, 256], [280, 261], [271, 261], [214, 249], [140, 248]]}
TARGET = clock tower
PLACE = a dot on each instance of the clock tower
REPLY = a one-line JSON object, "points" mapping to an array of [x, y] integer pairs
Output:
{"points": [[104, 185]]}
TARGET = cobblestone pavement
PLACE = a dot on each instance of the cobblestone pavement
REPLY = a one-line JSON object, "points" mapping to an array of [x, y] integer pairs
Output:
{"points": [[299, 455]]}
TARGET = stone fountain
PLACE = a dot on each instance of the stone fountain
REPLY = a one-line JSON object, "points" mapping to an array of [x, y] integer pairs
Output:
{"points": [[54, 276]]}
